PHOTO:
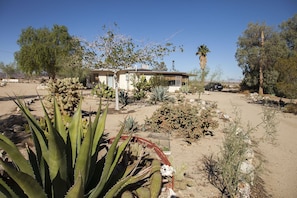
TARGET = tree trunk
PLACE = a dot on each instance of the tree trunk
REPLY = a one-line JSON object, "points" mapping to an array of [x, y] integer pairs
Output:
{"points": [[261, 77], [116, 91], [261, 92]]}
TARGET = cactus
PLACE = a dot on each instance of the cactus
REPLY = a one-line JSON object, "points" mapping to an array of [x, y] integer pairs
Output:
{"points": [[67, 94], [103, 91]]}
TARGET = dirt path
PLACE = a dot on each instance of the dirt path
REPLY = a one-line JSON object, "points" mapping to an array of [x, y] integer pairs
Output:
{"points": [[280, 176]]}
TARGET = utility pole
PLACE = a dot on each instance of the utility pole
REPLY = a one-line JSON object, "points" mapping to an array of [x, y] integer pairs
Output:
{"points": [[261, 65]]}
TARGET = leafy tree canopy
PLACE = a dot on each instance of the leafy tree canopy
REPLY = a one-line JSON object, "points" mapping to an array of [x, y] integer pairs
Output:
{"points": [[44, 49], [253, 52], [116, 51]]}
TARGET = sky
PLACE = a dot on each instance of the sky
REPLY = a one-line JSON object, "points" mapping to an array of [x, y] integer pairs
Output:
{"points": [[190, 23]]}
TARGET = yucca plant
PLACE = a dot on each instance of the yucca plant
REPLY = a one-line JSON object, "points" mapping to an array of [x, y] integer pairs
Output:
{"points": [[65, 162]]}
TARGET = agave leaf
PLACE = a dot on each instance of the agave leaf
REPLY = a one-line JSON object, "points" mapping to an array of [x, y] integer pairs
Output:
{"points": [[107, 166], [41, 142], [34, 164], [58, 121], [77, 190], [113, 192], [28, 184], [82, 165], [119, 153], [15, 155], [6, 191], [56, 150], [75, 132], [99, 126]]}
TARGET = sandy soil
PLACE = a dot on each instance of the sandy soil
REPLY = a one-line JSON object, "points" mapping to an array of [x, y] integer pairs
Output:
{"points": [[280, 167]]}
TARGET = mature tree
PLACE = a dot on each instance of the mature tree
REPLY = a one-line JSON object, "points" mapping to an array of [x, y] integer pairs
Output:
{"points": [[75, 65], [116, 51], [258, 50], [287, 81], [289, 33], [160, 67], [9, 69], [202, 53], [43, 49]]}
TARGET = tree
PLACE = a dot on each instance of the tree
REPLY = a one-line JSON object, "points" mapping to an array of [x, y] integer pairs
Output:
{"points": [[202, 53], [116, 51], [289, 33], [9, 69], [257, 56], [43, 49], [160, 67], [287, 79], [75, 65]]}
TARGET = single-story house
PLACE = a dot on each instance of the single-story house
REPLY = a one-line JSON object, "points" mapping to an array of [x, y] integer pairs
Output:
{"points": [[175, 79]]}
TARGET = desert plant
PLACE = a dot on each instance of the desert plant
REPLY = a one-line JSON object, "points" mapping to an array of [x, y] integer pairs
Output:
{"points": [[130, 125], [236, 164], [66, 92], [65, 162], [141, 86], [185, 89], [123, 97], [160, 94], [183, 120], [103, 91]]}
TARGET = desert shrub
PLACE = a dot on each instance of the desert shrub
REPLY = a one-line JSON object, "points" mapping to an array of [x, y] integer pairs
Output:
{"points": [[67, 163], [290, 108], [103, 91], [160, 94], [236, 167], [67, 93], [183, 120], [123, 97], [185, 89], [141, 87], [130, 125]]}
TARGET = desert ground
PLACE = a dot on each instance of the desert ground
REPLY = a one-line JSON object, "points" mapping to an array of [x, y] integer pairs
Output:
{"points": [[279, 172]]}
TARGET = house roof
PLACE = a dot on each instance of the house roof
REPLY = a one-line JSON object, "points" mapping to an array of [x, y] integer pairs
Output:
{"points": [[144, 71]]}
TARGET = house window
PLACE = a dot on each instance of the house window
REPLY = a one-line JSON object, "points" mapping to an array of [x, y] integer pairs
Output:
{"points": [[110, 82], [178, 80], [175, 81]]}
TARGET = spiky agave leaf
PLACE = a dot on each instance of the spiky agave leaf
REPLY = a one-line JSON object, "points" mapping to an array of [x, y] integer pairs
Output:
{"points": [[15, 155], [28, 184], [77, 190], [109, 159]]}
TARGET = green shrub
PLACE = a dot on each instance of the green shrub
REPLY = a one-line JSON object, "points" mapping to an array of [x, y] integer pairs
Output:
{"points": [[141, 86], [103, 91], [66, 162], [183, 120], [185, 89]]}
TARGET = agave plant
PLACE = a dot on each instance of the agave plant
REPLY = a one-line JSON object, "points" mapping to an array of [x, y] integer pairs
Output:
{"points": [[67, 162]]}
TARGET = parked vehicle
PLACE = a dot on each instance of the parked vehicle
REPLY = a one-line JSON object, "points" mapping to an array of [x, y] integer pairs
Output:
{"points": [[213, 86]]}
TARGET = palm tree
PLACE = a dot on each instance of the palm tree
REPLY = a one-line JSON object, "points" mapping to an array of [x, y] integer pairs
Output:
{"points": [[202, 53]]}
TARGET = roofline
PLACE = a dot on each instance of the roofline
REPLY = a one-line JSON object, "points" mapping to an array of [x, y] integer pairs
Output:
{"points": [[144, 71]]}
